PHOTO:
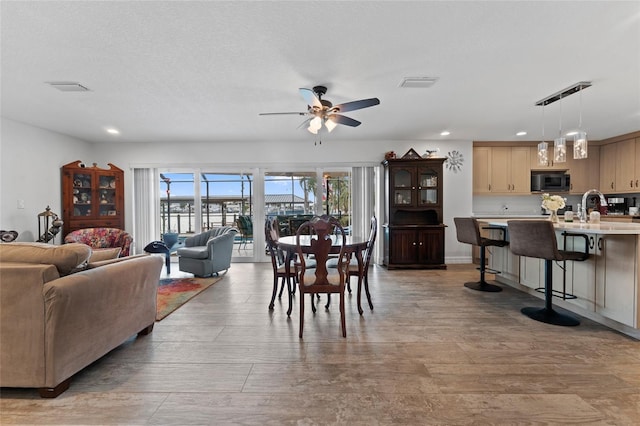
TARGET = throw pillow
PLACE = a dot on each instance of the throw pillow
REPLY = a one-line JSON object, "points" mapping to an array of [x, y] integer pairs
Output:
{"points": [[98, 255], [66, 257]]}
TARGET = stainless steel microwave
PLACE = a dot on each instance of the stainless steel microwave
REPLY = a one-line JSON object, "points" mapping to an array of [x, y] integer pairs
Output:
{"points": [[550, 182]]}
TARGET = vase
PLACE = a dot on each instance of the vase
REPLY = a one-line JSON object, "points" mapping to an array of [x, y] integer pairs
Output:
{"points": [[553, 217]]}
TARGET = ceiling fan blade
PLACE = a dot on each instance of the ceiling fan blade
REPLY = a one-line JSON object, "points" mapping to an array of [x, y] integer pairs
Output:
{"points": [[341, 119], [283, 113], [310, 98], [352, 106]]}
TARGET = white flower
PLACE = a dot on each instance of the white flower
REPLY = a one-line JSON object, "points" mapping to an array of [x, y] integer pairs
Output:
{"points": [[552, 202]]}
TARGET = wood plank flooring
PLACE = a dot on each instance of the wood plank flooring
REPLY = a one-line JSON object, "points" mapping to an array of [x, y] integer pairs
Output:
{"points": [[431, 352]]}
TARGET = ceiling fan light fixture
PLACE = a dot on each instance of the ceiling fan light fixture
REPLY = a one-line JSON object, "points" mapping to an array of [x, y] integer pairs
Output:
{"points": [[330, 124], [314, 125]]}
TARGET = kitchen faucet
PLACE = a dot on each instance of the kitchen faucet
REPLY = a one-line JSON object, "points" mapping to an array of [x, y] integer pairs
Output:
{"points": [[583, 212]]}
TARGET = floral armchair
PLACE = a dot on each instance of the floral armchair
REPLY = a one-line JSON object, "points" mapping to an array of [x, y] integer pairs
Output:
{"points": [[100, 238]]}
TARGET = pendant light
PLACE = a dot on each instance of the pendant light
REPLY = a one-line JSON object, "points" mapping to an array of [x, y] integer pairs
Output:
{"points": [[543, 147], [580, 144], [560, 143]]}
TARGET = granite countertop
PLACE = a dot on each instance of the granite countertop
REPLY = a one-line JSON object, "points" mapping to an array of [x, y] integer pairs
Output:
{"points": [[612, 228]]}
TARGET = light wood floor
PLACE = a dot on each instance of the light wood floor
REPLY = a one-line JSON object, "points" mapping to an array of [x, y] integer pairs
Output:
{"points": [[432, 352]]}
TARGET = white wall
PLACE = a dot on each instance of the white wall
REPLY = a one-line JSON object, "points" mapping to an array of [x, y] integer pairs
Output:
{"points": [[30, 160], [34, 156]]}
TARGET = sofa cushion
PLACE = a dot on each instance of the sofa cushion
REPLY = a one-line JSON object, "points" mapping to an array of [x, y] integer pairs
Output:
{"points": [[98, 255], [198, 252], [66, 257]]}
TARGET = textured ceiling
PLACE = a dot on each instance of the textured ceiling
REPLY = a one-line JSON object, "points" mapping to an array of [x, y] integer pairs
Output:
{"points": [[202, 71]]}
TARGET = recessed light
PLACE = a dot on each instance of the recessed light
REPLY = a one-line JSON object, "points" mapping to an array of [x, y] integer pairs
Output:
{"points": [[113, 131], [445, 133], [522, 133]]}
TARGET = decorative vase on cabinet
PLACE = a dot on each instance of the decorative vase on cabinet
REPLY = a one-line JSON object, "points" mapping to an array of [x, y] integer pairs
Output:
{"points": [[413, 225], [92, 197]]}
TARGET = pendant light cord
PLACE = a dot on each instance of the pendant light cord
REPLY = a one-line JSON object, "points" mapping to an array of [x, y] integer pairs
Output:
{"points": [[560, 129], [580, 116]]}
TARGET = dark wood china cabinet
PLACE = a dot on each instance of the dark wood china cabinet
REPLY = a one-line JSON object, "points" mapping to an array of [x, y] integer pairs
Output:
{"points": [[92, 197], [413, 228]]}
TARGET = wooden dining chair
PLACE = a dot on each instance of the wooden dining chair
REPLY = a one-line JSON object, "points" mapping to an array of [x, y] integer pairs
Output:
{"points": [[354, 270], [321, 279], [278, 259]]}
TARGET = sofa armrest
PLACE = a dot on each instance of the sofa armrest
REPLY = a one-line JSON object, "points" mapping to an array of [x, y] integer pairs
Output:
{"points": [[91, 312], [22, 318]]}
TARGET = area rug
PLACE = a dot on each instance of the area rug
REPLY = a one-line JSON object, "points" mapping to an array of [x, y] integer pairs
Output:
{"points": [[175, 292]]}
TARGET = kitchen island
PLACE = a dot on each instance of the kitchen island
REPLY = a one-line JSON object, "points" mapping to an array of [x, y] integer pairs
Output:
{"points": [[604, 288]]}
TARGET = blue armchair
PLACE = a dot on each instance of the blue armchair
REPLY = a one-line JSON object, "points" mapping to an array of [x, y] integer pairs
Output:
{"points": [[207, 253]]}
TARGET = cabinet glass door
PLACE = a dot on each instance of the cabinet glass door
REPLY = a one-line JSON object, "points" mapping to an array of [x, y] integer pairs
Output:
{"points": [[402, 187], [107, 195], [82, 196], [428, 187]]}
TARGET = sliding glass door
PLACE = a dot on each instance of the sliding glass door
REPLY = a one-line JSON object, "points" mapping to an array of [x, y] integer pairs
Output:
{"points": [[192, 201]]}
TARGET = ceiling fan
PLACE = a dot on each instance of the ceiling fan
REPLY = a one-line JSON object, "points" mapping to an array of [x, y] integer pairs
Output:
{"points": [[322, 111]]}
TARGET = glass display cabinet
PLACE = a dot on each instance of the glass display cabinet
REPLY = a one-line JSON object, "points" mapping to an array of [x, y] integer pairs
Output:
{"points": [[413, 225], [92, 197]]}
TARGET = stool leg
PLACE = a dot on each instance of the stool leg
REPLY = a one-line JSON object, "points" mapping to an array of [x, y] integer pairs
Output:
{"points": [[547, 314], [167, 262], [482, 285]]}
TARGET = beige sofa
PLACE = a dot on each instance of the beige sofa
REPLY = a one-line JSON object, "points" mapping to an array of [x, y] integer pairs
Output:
{"points": [[59, 313]]}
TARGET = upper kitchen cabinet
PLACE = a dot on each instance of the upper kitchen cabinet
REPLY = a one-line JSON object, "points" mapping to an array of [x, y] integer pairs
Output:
{"points": [[627, 174], [92, 197], [620, 166], [608, 167], [502, 170], [585, 173]]}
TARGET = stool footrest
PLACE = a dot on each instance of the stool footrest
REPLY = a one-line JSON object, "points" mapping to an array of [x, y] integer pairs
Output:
{"points": [[489, 270], [557, 293]]}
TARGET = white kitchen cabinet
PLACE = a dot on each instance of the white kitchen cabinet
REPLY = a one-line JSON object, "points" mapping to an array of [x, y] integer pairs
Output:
{"points": [[531, 272], [616, 278], [501, 259]]}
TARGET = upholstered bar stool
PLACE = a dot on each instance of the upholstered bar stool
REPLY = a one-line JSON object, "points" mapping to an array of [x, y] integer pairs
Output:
{"points": [[468, 231], [537, 238]]}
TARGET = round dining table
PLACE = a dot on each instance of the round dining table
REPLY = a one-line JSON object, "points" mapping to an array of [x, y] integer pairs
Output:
{"points": [[354, 245]]}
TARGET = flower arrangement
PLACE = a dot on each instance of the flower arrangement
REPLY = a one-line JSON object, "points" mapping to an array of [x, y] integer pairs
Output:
{"points": [[552, 202]]}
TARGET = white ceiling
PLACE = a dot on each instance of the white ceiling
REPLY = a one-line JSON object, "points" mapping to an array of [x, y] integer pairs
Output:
{"points": [[202, 71]]}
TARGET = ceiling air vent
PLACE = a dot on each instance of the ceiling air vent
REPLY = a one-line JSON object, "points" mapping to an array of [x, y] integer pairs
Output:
{"points": [[68, 86], [418, 82]]}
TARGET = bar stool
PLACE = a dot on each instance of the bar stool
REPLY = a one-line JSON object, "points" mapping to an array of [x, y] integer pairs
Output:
{"points": [[537, 238], [468, 231]]}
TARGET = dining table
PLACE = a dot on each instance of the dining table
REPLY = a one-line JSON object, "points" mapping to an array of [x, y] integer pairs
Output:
{"points": [[354, 246]]}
